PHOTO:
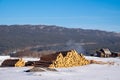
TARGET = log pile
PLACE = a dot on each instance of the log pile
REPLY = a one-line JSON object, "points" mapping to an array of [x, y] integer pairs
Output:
{"points": [[100, 62], [66, 59], [13, 63], [20, 63], [42, 63], [9, 62], [38, 63]]}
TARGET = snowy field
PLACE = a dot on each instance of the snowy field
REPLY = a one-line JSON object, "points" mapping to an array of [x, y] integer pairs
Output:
{"points": [[88, 72]]}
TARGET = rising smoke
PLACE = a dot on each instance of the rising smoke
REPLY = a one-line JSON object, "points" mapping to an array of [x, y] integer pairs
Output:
{"points": [[71, 44]]}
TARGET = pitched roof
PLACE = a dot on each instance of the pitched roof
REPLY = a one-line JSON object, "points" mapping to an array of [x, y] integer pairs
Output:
{"points": [[106, 50]]}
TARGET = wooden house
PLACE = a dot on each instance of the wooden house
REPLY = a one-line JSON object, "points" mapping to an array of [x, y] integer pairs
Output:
{"points": [[105, 52]]}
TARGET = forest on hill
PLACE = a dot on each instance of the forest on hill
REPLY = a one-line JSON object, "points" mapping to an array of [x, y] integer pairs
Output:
{"points": [[56, 38]]}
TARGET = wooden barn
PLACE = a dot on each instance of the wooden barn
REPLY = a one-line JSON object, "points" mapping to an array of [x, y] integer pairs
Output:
{"points": [[13, 63], [105, 52]]}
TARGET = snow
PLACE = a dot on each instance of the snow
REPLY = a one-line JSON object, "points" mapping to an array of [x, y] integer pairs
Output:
{"points": [[2, 58], [30, 59], [88, 72]]}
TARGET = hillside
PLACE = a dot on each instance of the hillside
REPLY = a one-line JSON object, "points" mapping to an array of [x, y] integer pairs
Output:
{"points": [[50, 37]]}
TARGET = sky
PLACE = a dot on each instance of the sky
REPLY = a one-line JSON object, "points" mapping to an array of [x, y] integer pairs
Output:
{"points": [[86, 14]]}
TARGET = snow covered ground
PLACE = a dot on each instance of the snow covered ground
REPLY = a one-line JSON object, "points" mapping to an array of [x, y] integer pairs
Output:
{"points": [[88, 72]]}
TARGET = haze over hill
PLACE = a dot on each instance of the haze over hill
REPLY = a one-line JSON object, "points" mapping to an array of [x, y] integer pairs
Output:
{"points": [[51, 37]]}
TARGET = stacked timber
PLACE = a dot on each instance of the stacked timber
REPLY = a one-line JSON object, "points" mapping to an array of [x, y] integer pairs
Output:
{"points": [[20, 63], [38, 63], [42, 63], [65, 59], [9, 62], [13, 63], [100, 62]]}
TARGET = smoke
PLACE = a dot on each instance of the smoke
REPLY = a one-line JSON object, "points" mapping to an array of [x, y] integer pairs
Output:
{"points": [[76, 46]]}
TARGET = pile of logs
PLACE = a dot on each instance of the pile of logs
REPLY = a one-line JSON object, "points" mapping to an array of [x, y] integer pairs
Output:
{"points": [[38, 63], [20, 63], [13, 63], [65, 59], [100, 62], [57, 60]]}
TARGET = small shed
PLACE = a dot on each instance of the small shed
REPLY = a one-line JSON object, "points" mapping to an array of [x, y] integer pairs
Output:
{"points": [[104, 52]]}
